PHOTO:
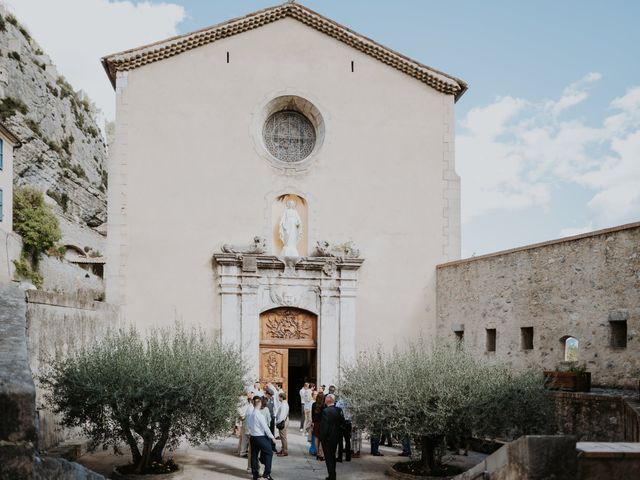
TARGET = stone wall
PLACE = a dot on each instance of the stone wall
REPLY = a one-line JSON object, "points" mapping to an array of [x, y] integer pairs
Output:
{"points": [[19, 457], [597, 418], [56, 326], [10, 248], [580, 286]]}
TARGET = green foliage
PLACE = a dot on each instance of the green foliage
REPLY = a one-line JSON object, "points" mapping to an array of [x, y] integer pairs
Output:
{"points": [[34, 127], [66, 144], [25, 271], [35, 222], [78, 170], [441, 393], [58, 252], [12, 20], [9, 106], [148, 391], [61, 199], [15, 56]]}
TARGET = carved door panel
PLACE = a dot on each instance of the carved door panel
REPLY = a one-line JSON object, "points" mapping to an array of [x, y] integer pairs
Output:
{"points": [[274, 366], [288, 326]]}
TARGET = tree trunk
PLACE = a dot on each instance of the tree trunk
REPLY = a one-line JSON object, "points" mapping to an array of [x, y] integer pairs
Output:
{"points": [[156, 453], [428, 453], [145, 459]]}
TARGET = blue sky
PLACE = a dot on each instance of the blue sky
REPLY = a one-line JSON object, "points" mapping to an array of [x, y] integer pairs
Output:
{"points": [[548, 135]]}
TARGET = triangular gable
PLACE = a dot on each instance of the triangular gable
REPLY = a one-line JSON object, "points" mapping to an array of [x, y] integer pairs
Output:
{"points": [[134, 58]]}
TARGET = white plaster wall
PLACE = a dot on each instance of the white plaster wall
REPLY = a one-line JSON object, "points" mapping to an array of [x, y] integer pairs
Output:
{"points": [[186, 176], [6, 185]]}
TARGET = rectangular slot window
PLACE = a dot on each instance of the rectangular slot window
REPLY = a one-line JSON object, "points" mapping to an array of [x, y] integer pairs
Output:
{"points": [[1, 154], [526, 338], [491, 339], [618, 334], [459, 336]]}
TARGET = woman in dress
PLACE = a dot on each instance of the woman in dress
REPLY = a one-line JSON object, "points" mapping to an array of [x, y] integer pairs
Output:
{"points": [[316, 417]]}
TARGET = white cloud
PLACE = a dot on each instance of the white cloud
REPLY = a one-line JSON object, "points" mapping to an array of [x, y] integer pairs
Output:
{"points": [[512, 153], [77, 33]]}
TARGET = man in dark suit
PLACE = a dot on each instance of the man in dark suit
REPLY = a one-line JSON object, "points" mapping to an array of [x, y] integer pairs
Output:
{"points": [[331, 428]]}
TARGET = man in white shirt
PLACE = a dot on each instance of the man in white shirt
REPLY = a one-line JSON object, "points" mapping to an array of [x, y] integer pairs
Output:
{"points": [[282, 422], [261, 440], [243, 410], [305, 386], [307, 400]]}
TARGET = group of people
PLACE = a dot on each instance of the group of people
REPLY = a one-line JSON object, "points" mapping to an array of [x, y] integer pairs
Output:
{"points": [[325, 420], [260, 413]]}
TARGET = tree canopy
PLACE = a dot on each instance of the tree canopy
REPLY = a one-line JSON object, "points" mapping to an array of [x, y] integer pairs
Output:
{"points": [[148, 390], [438, 393]]}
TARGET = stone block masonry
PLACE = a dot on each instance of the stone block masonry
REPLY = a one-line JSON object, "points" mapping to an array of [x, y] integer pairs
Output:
{"points": [[19, 458], [531, 299]]}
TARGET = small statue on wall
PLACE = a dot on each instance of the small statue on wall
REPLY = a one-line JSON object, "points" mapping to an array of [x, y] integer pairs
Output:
{"points": [[259, 247], [290, 230]]}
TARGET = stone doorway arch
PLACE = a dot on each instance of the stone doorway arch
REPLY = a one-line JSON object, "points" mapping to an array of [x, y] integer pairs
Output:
{"points": [[283, 329]]}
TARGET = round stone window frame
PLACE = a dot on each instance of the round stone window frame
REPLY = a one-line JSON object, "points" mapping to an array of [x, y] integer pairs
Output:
{"points": [[297, 104]]}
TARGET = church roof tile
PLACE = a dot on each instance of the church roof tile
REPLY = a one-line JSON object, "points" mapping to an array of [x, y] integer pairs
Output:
{"points": [[137, 57]]}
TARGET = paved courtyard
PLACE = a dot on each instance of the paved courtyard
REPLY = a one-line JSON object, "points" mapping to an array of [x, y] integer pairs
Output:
{"points": [[218, 460]]}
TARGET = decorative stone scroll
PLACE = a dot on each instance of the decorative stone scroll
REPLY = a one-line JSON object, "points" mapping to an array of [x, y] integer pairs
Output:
{"points": [[340, 250], [258, 248]]}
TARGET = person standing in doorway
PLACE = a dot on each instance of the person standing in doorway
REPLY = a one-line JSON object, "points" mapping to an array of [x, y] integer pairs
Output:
{"points": [[331, 428], [261, 440], [304, 392], [282, 423]]}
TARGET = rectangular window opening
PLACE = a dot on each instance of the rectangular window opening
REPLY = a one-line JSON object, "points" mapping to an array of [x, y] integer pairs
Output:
{"points": [[618, 331], [227, 57], [459, 338], [491, 339], [352, 66], [526, 338]]}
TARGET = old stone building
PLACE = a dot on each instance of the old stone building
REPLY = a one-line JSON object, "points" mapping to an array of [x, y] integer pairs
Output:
{"points": [[572, 299], [285, 183]]}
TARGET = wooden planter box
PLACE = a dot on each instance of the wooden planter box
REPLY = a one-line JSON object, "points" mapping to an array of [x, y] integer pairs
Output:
{"points": [[568, 381]]}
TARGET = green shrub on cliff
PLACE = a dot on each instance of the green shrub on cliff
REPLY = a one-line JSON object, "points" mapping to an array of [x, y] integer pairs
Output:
{"points": [[35, 222]]}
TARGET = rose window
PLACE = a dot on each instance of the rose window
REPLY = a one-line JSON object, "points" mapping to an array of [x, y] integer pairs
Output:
{"points": [[289, 136]]}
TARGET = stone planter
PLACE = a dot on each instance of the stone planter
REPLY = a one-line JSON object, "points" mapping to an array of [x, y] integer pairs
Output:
{"points": [[568, 381], [116, 475]]}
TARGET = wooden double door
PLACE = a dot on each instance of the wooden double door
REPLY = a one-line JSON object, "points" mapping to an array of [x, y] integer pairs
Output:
{"points": [[281, 330]]}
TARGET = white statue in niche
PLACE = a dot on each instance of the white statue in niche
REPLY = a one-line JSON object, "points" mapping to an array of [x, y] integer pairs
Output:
{"points": [[290, 230]]}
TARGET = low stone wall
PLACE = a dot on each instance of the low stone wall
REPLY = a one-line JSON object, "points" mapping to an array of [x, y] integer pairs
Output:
{"points": [[58, 325], [19, 458], [594, 417], [534, 457], [518, 306]]}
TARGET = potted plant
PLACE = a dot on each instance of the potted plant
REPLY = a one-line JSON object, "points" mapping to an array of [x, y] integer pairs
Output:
{"points": [[569, 377]]}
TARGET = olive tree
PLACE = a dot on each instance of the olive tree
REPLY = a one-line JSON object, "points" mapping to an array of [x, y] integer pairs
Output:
{"points": [[434, 393], [147, 391]]}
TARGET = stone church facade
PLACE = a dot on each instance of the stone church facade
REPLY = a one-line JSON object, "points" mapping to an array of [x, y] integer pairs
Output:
{"points": [[220, 131]]}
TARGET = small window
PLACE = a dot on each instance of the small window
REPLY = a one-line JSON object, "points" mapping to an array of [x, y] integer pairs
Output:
{"points": [[491, 339], [618, 334], [571, 349], [1, 154], [459, 338], [526, 338]]}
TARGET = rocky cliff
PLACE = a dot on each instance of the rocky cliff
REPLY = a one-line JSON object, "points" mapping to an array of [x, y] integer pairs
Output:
{"points": [[63, 151]]}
